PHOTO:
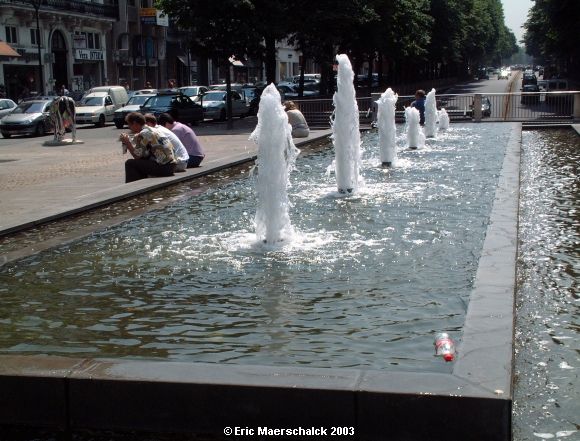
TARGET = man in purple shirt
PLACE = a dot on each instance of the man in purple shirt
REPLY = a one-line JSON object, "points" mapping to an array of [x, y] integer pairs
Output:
{"points": [[187, 137]]}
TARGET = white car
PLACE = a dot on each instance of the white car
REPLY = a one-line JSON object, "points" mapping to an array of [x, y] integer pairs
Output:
{"points": [[95, 108], [214, 105], [194, 92]]}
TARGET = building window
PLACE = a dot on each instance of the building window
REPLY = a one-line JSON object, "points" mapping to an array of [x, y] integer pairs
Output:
{"points": [[34, 37], [11, 35], [87, 40]]}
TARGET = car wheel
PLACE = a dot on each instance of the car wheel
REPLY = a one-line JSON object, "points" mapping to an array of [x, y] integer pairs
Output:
{"points": [[39, 131], [119, 125], [101, 122], [6, 135]]}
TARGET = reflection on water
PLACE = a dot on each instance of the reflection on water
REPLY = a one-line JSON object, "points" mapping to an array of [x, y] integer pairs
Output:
{"points": [[367, 281], [547, 393]]}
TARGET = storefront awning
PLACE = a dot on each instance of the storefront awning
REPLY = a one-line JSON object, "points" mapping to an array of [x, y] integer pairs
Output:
{"points": [[7, 51]]}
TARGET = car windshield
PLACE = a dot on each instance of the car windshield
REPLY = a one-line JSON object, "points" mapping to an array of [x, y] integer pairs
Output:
{"points": [[214, 96], [137, 99], [30, 107], [92, 101], [159, 101], [190, 91]]}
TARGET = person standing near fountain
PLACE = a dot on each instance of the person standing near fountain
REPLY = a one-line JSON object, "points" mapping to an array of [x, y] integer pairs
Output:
{"points": [[151, 150], [345, 129], [419, 104], [299, 125]]}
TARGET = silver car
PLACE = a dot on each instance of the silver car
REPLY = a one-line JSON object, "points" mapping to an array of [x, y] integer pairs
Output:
{"points": [[214, 105], [28, 118], [6, 106], [133, 105]]}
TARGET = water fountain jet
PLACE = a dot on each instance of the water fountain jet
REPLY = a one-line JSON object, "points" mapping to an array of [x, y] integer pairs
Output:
{"points": [[415, 136], [443, 119], [387, 128], [430, 115], [276, 158], [345, 129]]}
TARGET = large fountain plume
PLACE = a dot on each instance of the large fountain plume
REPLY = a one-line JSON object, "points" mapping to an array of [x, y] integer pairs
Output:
{"points": [[387, 128], [345, 128], [430, 115], [276, 157]]}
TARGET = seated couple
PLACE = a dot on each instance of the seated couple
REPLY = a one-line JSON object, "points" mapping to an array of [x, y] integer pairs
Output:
{"points": [[159, 150]]}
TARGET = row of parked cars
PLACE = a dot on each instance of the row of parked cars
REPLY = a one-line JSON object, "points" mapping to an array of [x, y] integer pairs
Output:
{"points": [[112, 103]]}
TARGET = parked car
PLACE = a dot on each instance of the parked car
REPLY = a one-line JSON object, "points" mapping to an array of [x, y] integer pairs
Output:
{"points": [[531, 99], [95, 108], [118, 94], [6, 106], [28, 118], [529, 78], [485, 106], [194, 92], [172, 101], [145, 92], [134, 105], [214, 105]]}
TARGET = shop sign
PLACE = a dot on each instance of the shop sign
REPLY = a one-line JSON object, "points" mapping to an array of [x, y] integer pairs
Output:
{"points": [[88, 55], [148, 15], [153, 16]]}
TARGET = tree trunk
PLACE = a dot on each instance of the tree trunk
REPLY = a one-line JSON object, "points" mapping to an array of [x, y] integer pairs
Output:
{"points": [[270, 60]]}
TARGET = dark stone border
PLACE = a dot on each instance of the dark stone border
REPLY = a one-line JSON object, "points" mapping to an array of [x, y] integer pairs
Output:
{"points": [[67, 395]]}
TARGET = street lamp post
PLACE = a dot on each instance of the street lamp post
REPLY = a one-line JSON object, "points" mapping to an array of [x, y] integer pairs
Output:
{"points": [[36, 5]]}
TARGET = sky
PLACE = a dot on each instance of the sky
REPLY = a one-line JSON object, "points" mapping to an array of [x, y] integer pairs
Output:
{"points": [[516, 14]]}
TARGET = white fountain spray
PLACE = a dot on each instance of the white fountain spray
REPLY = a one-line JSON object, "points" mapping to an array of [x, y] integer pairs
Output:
{"points": [[345, 129], [276, 158], [387, 128], [430, 115], [443, 119], [415, 136]]}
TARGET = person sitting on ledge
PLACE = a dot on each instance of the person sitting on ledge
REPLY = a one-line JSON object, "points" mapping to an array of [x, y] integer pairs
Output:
{"points": [[181, 156], [152, 151], [187, 137], [299, 125]]}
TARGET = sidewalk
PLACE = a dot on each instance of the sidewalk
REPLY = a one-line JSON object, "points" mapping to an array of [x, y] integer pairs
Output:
{"points": [[39, 183]]}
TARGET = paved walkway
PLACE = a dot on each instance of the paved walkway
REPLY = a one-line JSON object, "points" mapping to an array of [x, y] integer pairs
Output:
{"points": [[40, 183]]}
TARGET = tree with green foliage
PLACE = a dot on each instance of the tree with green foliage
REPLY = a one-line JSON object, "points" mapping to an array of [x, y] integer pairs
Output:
{"points": [[551, 35]]}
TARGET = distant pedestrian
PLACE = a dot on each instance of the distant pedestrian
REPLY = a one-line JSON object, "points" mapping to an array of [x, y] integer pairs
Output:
{"points": [[419, 104], [187, 136], [152, 151]]}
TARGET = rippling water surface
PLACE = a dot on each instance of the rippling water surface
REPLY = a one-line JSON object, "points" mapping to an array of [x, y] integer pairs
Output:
{"points": [[366, 281], [547, 392]]}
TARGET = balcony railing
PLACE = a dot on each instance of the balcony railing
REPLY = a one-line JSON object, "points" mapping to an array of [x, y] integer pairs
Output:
{"points": [[75, 6]]}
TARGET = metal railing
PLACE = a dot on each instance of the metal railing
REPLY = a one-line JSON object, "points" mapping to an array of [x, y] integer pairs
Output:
{"points": [[517, 106]]}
